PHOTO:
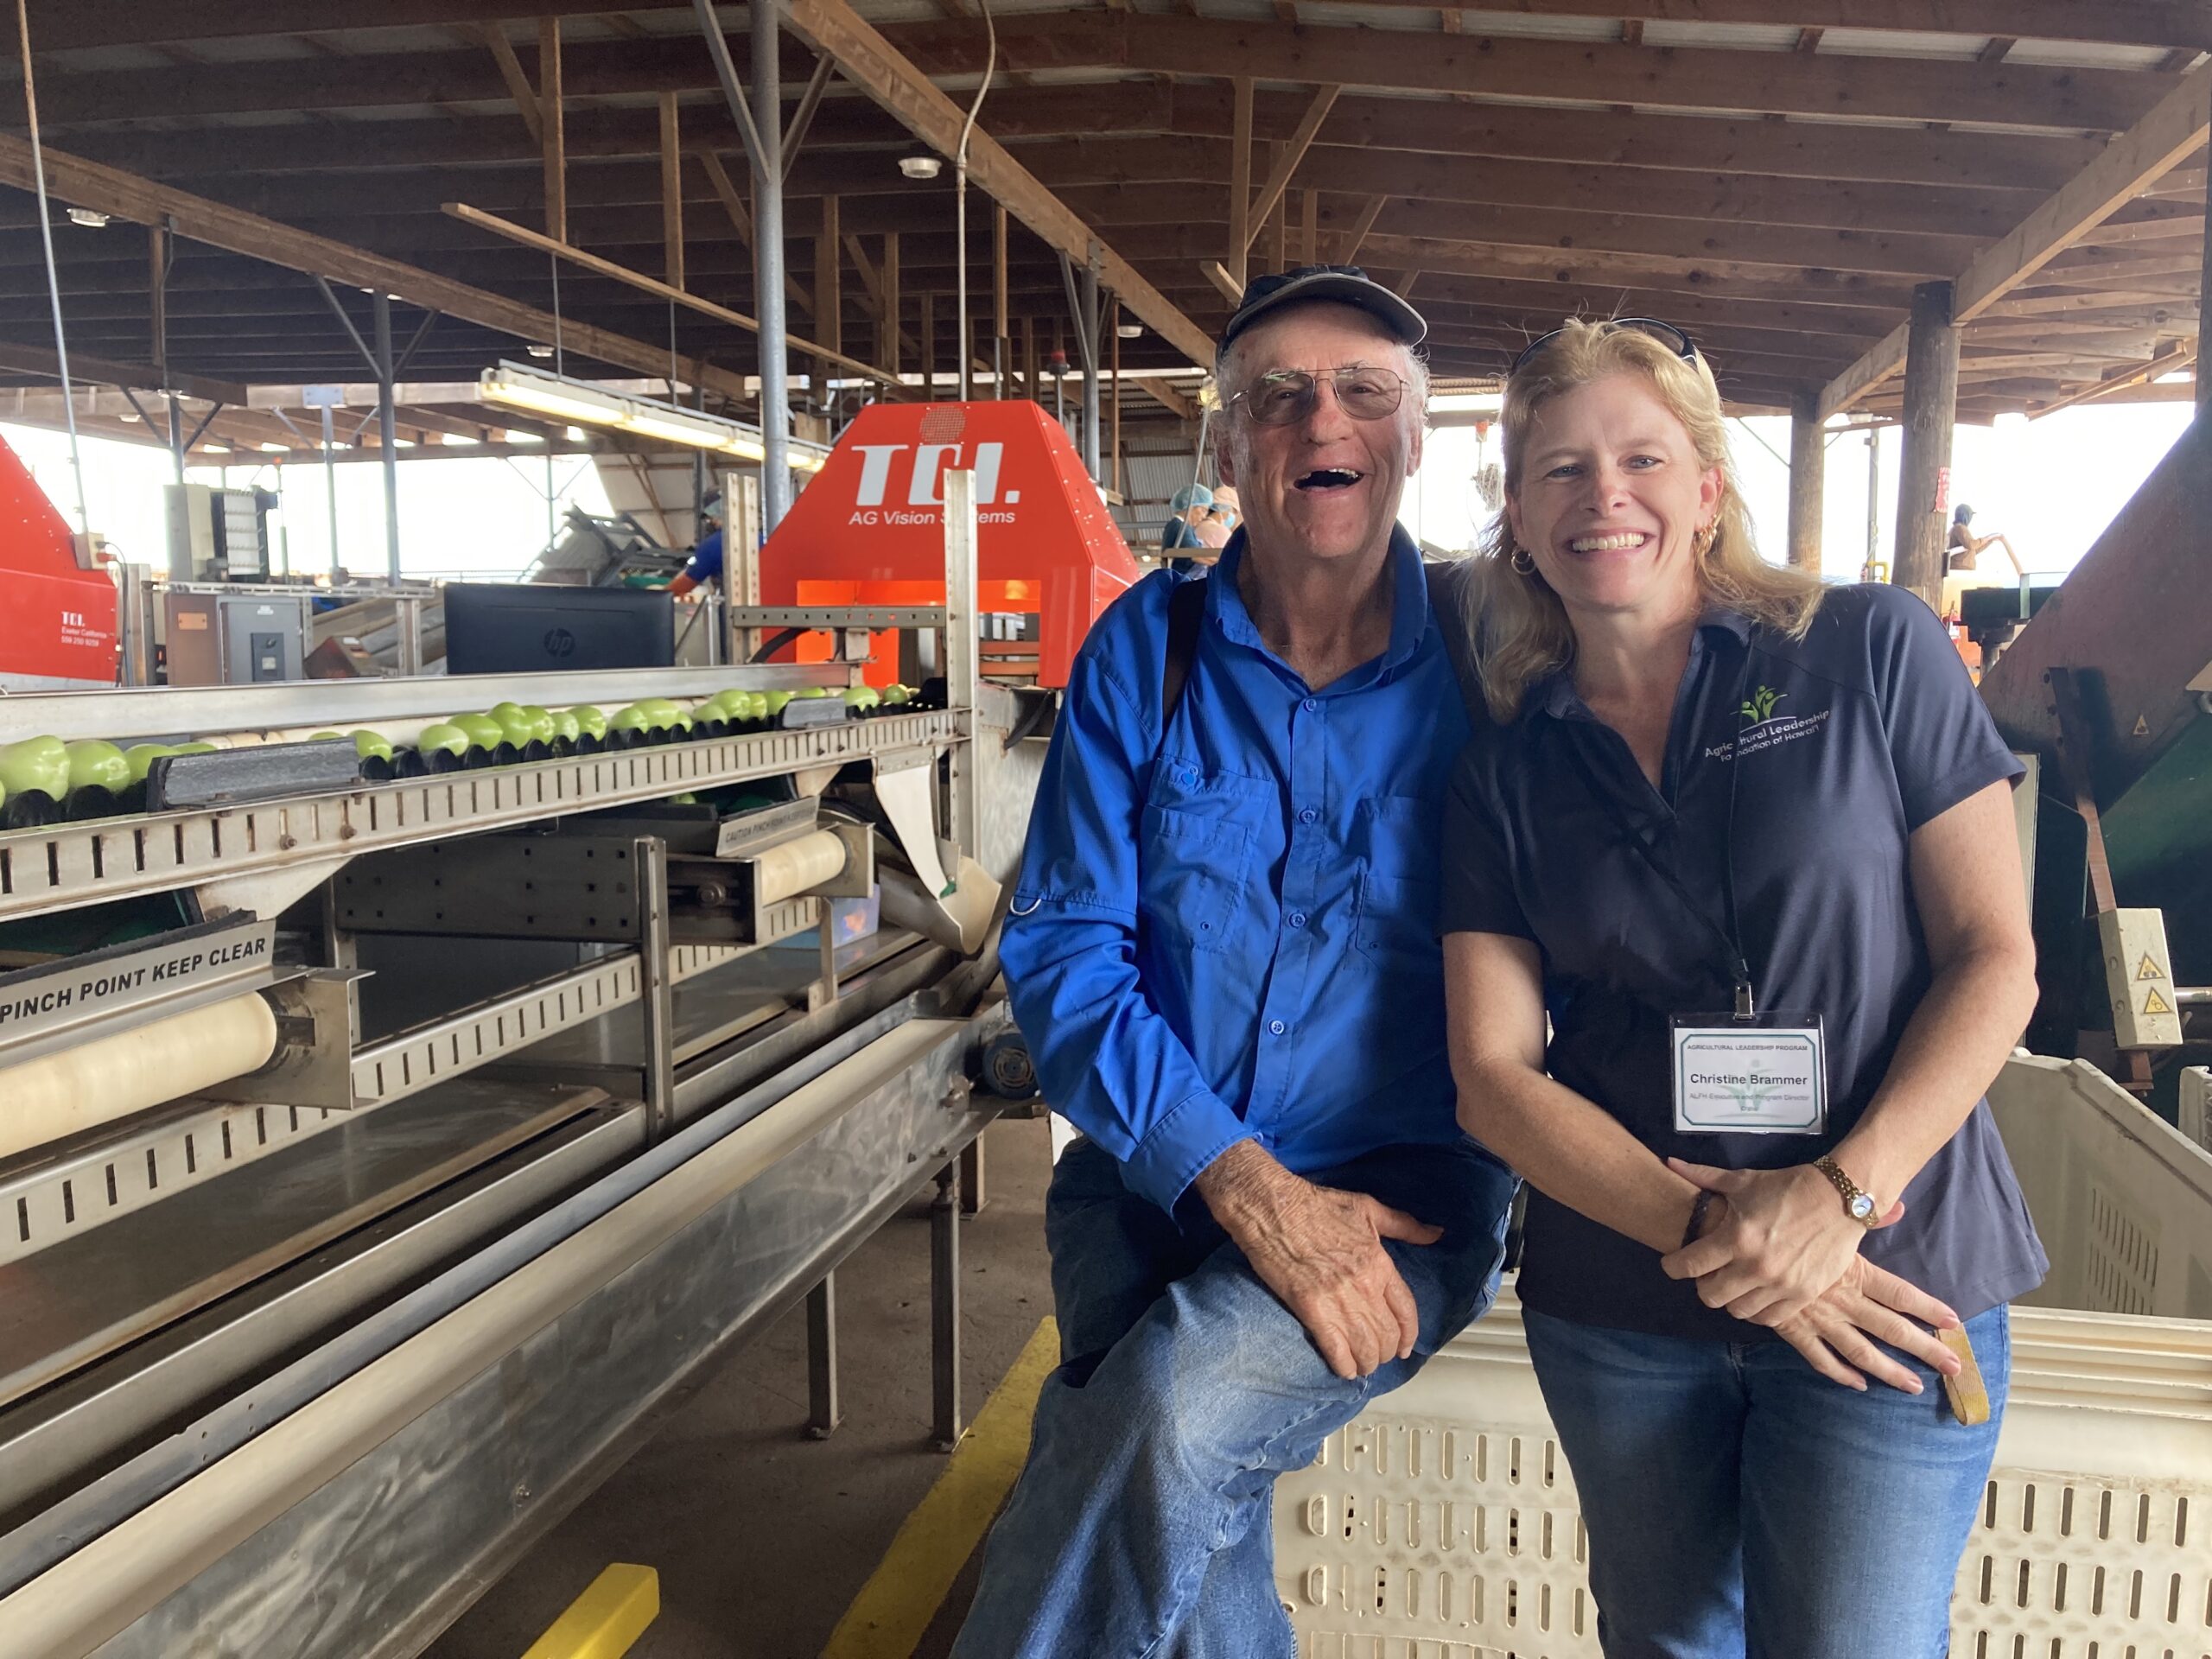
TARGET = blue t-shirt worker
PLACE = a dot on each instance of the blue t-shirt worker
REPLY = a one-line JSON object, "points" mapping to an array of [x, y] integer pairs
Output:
{"points": [[1748, 842], [706, 562], [1222, 949]]}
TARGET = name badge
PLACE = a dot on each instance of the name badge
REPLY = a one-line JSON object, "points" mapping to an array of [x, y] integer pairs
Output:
{"points": [[1763, 1075]]}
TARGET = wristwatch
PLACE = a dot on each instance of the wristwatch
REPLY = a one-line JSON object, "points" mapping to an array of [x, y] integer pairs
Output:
{"points": [[1857, 1203]]}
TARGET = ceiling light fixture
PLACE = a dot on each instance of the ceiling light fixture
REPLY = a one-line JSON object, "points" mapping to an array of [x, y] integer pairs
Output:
{"points": [[91, 218], [1130, 330], [921, 167], [517, 385], [539, 352]]}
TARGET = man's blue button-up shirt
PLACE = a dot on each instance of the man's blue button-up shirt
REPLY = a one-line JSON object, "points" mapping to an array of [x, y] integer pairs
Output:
{"points": [[1229, 931]]}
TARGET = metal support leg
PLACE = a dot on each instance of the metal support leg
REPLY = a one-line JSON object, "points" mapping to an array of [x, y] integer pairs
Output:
{"points": [[944, 1308], [971, 1179], [407, 614], [823, 1413], [823, 991], [655, 993]]}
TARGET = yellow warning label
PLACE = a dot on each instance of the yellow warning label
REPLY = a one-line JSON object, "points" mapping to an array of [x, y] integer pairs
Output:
{"points": [[2142, 727], [2150, 970], [2153, 1003]]}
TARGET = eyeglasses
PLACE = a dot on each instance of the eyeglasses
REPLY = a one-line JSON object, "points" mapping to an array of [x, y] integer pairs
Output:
{"points": [[1666, 333], [1284, 395]]}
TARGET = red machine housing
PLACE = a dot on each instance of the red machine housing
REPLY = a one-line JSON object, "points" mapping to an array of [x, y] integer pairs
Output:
{"points": [[57, 619], [868, 530]]}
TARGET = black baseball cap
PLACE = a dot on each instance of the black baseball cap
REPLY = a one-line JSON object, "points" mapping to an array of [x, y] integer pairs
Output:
{"points": [[1344, 284]]}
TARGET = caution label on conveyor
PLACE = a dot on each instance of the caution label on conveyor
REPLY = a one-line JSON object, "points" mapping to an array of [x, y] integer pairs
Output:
{"points": [[49, 1006], [2153, 1003]]}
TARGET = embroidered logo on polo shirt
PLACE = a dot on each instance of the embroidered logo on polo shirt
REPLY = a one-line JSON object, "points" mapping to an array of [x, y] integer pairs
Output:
{"points": [[1769, 730], [1760, 709]]}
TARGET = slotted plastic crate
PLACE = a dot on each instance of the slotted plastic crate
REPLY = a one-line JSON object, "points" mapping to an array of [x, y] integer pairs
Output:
{"points": [[1442, 1523]]}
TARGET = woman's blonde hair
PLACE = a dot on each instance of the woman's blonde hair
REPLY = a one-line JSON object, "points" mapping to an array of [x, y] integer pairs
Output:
{"points": [[1521, 625]]}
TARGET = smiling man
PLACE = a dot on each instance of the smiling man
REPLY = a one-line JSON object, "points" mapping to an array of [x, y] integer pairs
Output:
{"points": [[1222, 951]]}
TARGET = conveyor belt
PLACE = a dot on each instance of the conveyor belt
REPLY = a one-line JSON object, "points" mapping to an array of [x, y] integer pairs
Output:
{"points": [[68, 866]]}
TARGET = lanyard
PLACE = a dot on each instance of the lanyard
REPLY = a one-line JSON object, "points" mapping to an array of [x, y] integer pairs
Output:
{"points": [[1729, 931]]}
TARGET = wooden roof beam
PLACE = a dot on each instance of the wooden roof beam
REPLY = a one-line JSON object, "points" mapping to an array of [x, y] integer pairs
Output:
{"points": [[2063, 98], [871, 64], [2173, 129], [87, 184], [1688, 78], [1294, 152], [645, 284], [60, 25]]}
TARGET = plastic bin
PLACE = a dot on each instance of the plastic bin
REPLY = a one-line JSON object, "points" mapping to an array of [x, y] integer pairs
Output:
{"points": [[1442, 1524]]}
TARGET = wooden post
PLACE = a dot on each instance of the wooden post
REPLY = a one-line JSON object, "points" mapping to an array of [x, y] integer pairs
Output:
{"points": [[886, 337], [1309, 243], [551, 128], [2203, 303], [1113, 328], [1001, 346], [1931, 397], [672, 188], [828, 285], [929, 345], [1807, 466], [1240, 180], [1279, 234], [1029, 382]]}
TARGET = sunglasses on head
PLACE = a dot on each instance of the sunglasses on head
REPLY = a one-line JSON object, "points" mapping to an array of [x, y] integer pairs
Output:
{"points": [[1666, 333]]}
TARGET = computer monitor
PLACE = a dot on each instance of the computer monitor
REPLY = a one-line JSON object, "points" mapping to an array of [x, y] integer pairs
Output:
{"points": [[524, 628]]}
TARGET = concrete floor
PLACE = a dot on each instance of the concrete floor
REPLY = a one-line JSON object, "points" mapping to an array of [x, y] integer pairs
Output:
{"points": [[760, 1536]]}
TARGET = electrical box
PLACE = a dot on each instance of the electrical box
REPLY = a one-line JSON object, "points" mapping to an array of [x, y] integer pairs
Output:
{"points": [[218, 534], [217, 638], [2139, 974]]}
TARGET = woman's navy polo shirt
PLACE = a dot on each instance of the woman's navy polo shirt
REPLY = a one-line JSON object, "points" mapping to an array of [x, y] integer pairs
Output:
{"points": [[1857, 734]]}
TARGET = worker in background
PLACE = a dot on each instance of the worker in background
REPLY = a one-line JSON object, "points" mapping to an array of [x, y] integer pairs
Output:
{"points": [[1185, 512], [1222, 948], [706, 563], [1222, 517], [1963, 565], [1760, 1160], [1966, 548]]}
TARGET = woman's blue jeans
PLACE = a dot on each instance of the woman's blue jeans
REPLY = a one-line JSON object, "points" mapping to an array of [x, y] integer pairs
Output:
{"points": [[1141, 1527], [1741, 1506]]}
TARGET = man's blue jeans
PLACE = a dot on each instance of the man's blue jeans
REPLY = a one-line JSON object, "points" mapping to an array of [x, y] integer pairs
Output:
{"points": [[1739, 1503], [1141, 1526]]}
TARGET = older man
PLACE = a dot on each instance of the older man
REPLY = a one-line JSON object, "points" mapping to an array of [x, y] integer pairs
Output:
{"points": [[1222, 951]]}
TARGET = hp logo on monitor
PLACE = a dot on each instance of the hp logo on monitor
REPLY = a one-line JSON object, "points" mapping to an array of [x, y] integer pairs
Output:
{"points": [[559, 642]]}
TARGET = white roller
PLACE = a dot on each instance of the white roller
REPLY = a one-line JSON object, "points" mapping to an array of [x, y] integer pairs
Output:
{"points": [[110, 1078], [799, 866]]}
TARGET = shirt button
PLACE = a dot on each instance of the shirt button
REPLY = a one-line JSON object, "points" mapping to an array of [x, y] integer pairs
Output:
{"points": [[1310, 704], [1298, 918], [1308, 816], [1277, 1027]]}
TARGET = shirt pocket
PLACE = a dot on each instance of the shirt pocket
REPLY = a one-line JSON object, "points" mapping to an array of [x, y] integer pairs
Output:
{"points": [[1395, 845], [1197, 837]]}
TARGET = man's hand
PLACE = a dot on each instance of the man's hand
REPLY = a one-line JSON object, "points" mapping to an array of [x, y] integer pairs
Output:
{"points": [[1320, 1251]]}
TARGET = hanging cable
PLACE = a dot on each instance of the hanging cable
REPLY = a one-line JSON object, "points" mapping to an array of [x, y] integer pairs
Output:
{"points": [[960, 207], [52, 276]]}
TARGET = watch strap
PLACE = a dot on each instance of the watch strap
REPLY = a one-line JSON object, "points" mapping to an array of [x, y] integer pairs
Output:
{"points": [[1850, 1191]]}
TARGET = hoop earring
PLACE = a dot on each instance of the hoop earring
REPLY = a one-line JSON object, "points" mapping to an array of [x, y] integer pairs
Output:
{"points": [[1702, 543], [1522, 563]]}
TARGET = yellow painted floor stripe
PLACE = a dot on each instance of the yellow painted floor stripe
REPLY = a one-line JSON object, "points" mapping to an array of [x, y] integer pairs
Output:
{"points": [[892, 1611], [606, 1619]]}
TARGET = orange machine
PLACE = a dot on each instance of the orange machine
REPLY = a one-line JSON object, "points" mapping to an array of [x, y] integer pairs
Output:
{"points": [[57, 618], [868, 530]]}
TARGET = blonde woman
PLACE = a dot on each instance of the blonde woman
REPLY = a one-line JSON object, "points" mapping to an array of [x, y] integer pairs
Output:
{"points": [[1749, 843]]}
